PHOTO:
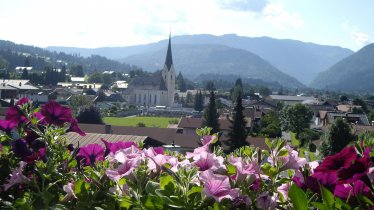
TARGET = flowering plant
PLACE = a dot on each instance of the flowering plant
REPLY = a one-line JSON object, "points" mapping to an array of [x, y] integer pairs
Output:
{"points": [[40, 170]]}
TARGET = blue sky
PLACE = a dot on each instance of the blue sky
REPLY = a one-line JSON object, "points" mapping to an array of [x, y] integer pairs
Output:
{"points": [[100, 23]]}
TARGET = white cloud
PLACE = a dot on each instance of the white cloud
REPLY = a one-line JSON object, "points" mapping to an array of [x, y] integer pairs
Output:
{"points": [[360, 38], [244, 5], [277, 15]]}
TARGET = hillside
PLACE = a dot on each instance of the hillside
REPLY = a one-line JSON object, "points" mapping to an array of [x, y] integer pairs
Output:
{"points": [[299, 59], [194, 60], [12, 55], [354, 73]]}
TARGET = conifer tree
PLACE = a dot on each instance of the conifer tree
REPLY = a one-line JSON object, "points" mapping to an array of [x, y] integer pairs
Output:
{"points": [[238, 132], [210, 118], [199, 101]]}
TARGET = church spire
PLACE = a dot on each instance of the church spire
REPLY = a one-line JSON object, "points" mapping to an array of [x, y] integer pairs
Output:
{"points": [[169, 57]]}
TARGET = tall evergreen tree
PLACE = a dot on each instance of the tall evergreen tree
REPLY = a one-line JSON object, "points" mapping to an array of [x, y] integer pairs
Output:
{"points": [[25, 74], [210, 118], [238, 132], [199, 102]]}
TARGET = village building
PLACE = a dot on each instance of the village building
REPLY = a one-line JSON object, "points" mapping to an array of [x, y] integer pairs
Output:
{"points": [[155, 90]]}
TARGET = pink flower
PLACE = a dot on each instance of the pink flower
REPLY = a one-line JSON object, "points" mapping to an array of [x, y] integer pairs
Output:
{"points": [[128, 162], [74, 127], [154, 164], [347, 190], [205, 161], [283, 190], [371, 173], [153, 151], [244, 170], [17, 176], [292, 160], [266, 202], [56, 114], [207, 140], [69, 189], [92, 153], [217, 186]]}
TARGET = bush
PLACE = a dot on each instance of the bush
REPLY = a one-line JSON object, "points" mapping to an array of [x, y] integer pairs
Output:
{"points": [[140, 124]]}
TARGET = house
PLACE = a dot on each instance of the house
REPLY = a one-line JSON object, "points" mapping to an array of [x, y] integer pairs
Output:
{"points": [[38, 96], [290, 100], [20, 69], [357, 119], [347, 107], [14, 88], [155, 90]]}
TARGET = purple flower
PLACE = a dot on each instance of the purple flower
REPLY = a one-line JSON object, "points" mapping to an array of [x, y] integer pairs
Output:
{"points": [[206, 160], [31, 136], [21, 149], [113, 147], [217, 186], [244, 170], [74, 127], [154, 164], [128, 162], [92, 153], [283, 190], [7, 126], [17, 176], [22, 101], [291, 161], [266, 202], [56, 114], [207, 140]]}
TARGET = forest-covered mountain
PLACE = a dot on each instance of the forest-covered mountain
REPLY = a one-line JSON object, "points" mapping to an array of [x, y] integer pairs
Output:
{"points": [[194, 60], [298, 59], [13, 55], [354, 73]]}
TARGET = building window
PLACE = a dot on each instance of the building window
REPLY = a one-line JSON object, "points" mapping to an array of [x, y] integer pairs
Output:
{"points": [[155, 98], [150, 99], [171, 77]]}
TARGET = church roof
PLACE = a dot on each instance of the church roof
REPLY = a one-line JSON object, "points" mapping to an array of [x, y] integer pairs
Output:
{"points": [[169, 57], [154, 82]]}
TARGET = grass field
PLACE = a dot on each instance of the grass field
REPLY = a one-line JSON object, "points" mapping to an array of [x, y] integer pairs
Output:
{"points": [[159, 122]]}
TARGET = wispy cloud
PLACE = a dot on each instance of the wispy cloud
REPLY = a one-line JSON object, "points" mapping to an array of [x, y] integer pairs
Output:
{"points": [[360, 38], [277, 15], [244, 5]]}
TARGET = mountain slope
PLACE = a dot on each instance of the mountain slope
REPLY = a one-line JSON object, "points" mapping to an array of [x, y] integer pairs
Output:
{"points": [[193, 60], [38, 58], [354, 73], [299, 59]]}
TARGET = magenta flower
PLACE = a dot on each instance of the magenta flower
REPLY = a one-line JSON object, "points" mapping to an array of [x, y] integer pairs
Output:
{"points": [[15, 115], [17, 176], [74, 127], [22, 101], [334, 162], [357, 170], [217, 186], [56, 114], [92, 153], [7, 126], [205, 161], [21, 149], [113, 147], [358, 187]]}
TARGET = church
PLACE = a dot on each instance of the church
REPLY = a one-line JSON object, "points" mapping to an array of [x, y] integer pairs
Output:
{"points": [[155, 90]]}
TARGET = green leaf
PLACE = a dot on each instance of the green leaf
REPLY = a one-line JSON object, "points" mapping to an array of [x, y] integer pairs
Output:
{"points": [[328, 197], [152, 202], [195, 189], [268, 143], [164, 180], [231, 169], [283, 153], [320, 206], [151, 187], [298, 198]]}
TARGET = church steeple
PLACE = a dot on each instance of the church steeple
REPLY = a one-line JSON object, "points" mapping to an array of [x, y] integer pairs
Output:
{"points": [[169, 57]]}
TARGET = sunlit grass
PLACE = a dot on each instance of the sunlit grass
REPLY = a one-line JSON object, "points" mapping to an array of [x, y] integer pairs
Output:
{"points": [[159, 122]]}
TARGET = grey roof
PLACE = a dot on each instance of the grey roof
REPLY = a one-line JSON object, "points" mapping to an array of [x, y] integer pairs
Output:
{"points": [[169, 57], [361, 119], [95, 138], [291, 98], [154, 82]]}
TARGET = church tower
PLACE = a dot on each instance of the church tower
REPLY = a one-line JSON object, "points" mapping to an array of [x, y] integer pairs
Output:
{"points": [[168, 75]]}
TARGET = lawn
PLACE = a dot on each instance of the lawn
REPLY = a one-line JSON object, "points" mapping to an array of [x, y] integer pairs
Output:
{"points": [[160, 122]]}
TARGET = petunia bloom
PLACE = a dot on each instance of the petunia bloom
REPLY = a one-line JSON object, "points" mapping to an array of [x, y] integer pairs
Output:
{"points": [[22, 101], [21, 149], [217, 186], [17, 176], [335, 162], [206, 160], [56, 114], [127, 164], [74, 127], [357, 170], [113, 147], [69, 189], [92, 153], [15, 115], [266, 202], [345, 191], [7, 126]]}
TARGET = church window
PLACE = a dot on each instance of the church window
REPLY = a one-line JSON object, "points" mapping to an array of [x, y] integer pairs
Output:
{"points": [[150, 99], [171, 77], [155, 98]]}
